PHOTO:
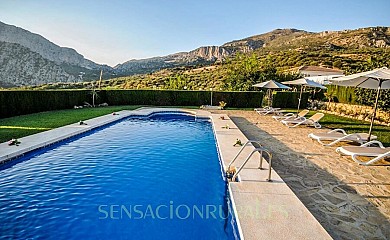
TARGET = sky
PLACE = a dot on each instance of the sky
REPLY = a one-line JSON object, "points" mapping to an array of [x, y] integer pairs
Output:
{"points": [[112, 31]]}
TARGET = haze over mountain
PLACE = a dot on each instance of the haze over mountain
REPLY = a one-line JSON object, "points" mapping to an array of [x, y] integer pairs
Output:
{"points": [[30, 59]]}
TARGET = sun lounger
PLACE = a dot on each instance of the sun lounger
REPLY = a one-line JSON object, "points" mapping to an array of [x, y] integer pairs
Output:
{"points": [[378, 153], [264, 109], [269, 110], [291, 116], [312, 121], [339, 135], [209, 107]]}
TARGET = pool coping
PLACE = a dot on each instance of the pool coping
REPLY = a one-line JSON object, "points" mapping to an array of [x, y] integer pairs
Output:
{"points": [[252, 185], [285, 215]]}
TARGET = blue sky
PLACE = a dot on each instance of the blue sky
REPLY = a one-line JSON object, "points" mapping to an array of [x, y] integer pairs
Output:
{"points": [[113, 31]]}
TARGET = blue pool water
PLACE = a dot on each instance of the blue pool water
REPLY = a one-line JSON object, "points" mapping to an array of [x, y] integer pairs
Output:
{"points": [[157, 178]]}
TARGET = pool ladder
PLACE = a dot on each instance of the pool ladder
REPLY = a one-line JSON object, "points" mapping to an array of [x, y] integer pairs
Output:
{"points": [[259, 149]]}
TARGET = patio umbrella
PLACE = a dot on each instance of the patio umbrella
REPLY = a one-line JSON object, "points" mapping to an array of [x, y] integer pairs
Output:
{"points": [[304, 82], [376, 79], [271, 84]]}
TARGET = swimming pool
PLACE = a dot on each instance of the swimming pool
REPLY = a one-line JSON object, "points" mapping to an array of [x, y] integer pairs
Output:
{"points": [[140, 178]]}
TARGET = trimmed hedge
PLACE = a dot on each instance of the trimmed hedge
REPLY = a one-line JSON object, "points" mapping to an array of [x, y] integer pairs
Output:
{"points": [[289, 99], [13, 103], [182, 98], [343, 94]]}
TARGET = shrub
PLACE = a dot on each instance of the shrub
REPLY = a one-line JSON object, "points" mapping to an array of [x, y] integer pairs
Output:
{"points": [[13, 103], [289, 99]]}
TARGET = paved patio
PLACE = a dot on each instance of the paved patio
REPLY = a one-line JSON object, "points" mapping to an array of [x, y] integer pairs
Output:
{"points": [[350, 201]]}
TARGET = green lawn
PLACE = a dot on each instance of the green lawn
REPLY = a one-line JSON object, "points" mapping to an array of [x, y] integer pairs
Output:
{"points": [[352, 126], [20, 126]]}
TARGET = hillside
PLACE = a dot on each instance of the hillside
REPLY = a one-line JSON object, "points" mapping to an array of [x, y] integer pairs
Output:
{"points": [[27, 58], [349, 50], [20, 66], [44, 47], [279, 50], [204, 55]]}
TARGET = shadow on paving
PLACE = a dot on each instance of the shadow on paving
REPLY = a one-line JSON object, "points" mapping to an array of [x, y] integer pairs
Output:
{"points": [[335, 204]]}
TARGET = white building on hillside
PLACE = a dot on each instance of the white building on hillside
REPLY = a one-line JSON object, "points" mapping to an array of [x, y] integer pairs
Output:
{"points": [[321, 75]]}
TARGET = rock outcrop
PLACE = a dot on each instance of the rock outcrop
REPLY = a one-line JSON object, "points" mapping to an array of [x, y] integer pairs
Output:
{"points": [[19, 66], [44, 47], [29, 59]]}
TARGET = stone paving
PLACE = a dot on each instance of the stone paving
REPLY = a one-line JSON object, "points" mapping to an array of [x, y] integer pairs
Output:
{"points": [[350, 201]]}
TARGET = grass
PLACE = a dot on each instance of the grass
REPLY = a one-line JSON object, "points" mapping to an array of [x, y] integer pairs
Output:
{"points": [[354, 126], [24, 125], [20, 126]]}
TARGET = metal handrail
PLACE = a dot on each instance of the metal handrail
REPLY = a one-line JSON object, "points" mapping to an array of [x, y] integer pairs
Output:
{"points": [[259, 149], [242, 148]]}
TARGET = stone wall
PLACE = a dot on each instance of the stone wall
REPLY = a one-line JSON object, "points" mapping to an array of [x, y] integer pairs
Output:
{"points": [[358, 112]]}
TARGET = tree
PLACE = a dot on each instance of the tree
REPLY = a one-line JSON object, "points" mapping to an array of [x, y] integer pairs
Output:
{"points": [[242, 72], [329, 94], [177, 82]]}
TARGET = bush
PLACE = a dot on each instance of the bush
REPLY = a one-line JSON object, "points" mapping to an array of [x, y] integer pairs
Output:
{"points": [[352, 95], [343, 94], [182, 98], [289, 99], [13, 103]]}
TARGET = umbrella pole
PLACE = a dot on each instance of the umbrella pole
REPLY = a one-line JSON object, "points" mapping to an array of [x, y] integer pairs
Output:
{"points": [[269, 97], [375, 107], [299, 99]]}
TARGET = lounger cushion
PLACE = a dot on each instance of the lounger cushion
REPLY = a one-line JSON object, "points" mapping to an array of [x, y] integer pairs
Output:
{"points": [[338, 135], [363, 151]]}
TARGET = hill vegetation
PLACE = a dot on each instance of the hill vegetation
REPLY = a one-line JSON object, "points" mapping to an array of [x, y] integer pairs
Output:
{"points": [[264, 57]]}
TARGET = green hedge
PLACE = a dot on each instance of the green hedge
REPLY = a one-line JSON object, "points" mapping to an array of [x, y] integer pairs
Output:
{"points": [[182, 98], [343, 94], [13, 103], [289, 99], [352, 95]]}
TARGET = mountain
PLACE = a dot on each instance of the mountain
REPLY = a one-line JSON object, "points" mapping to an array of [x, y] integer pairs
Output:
{"points": [[258, 41], [21, 66], [27, 59], [204, 55], [279, 39], [44, 47], [282, 50]]}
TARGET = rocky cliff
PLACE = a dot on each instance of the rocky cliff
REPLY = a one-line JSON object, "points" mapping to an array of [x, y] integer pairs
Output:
{"points": [[28, 59], [20, 66], [207, 54], [44, 47]]}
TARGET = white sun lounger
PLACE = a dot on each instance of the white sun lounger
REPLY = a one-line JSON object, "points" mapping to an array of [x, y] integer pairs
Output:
{"points": [[269, 110], [377, 153], [291, 116], [339, 135], [312, 121]]}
